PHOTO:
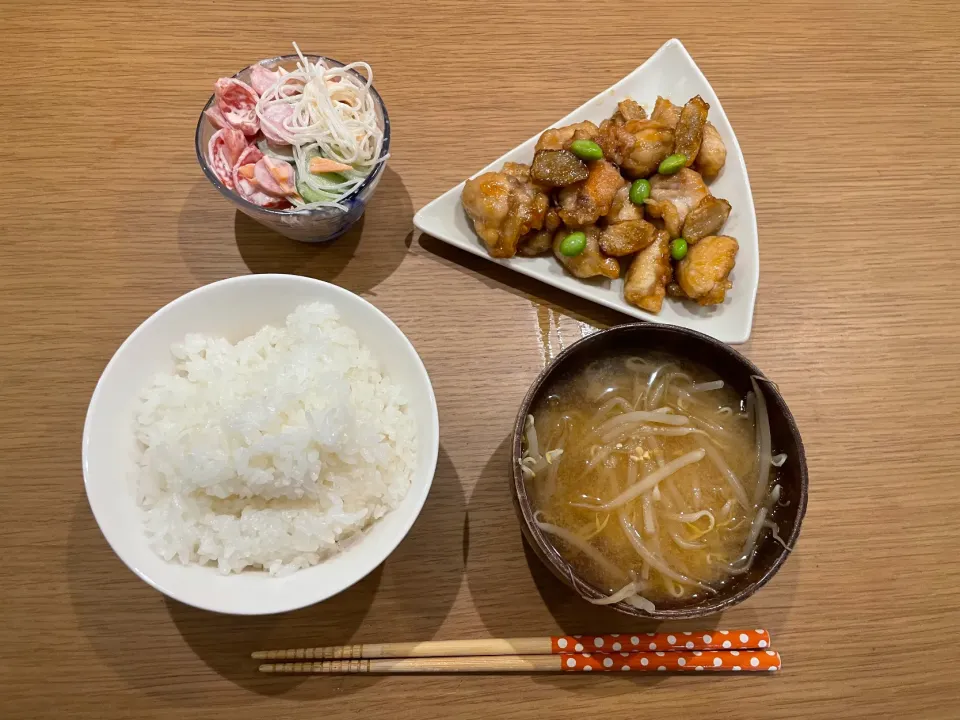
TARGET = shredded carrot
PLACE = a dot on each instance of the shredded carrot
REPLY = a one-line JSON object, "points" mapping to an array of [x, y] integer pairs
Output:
{"points": [[325, 165]]}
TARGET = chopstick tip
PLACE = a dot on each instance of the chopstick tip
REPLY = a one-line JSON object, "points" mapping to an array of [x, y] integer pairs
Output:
{"points": [[267, 668], [259, 654]]}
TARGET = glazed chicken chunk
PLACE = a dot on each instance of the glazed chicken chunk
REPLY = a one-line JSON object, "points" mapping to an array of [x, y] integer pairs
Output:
{"points": [[705, 218], [537, 242], [689, 131], [673, 196], [521, 171], [666, 113], [504, 206], [652, 143], [583, 203], [626, 238], [649, 273], [628, 109], [558, 168], [614, 140], [591, 262], [713, 153], [560, 138], [702, 274], [626, 232]]}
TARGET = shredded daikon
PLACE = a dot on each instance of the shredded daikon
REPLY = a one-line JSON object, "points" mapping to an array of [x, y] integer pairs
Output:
{"points": [[333, 116]]}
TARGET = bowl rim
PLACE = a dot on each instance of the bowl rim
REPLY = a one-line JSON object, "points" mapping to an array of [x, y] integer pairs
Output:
{"points": [[292, 601], [235, 197], [551, 557]]}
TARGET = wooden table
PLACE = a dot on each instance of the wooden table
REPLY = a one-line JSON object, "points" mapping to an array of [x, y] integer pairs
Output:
{"points": [[848, 117]]}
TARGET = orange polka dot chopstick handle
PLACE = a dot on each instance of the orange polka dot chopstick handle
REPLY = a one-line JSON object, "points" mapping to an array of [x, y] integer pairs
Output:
{"points": [[643, 642], [706, 640], [675, 661]]}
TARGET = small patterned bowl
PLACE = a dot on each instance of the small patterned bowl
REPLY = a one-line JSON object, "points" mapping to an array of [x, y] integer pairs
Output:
{"points": [[316, 225]]}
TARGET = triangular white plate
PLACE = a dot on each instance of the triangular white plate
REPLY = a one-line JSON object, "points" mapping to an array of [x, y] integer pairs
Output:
{"points": [[672, 73]]}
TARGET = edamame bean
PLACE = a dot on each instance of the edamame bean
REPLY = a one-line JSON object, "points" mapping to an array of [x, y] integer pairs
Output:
{"points": [[573, 244], [588, 150], [678, 249], [639, 191], [672, 164]]}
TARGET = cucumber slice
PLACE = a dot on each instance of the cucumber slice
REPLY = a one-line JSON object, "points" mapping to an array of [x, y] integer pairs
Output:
{"points": [[311, 196], [328, 178], [279, 152]]}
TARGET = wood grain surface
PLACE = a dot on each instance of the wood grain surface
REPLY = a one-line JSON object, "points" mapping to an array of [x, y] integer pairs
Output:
{"points": [[848, 117]]}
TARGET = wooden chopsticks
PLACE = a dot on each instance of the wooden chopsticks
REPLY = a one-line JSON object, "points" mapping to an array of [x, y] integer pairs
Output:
{"points": [[711, 650]]}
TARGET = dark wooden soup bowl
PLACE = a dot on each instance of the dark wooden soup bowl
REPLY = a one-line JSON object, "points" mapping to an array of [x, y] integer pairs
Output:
{"points": [[735, 370]]}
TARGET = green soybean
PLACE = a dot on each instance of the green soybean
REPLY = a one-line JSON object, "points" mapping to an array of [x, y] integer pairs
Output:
{"points": [[639, 191], [678, 249], [672, 164], [588, 150], [573, 244]]}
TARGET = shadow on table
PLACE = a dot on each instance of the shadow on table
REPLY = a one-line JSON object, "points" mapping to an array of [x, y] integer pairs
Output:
{"points": [[358, 260], [499, 276], [417, 588], [128, 623], [224, 642]]}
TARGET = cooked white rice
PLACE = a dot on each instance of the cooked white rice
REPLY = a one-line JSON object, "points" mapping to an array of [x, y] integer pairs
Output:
{"points": [[274, 452]]}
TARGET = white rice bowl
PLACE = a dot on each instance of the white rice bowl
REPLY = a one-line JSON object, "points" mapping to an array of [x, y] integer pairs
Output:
{"points": [[292, 487], [272, 452]]}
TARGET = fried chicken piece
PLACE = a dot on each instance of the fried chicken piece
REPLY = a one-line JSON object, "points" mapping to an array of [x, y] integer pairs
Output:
{"points": [[626, 238], [524, 172], [521, 171], [560, 138], [622, 208], [689, 131], [649, 274], [504, 207], [664, 216], [628, 109], [706, 218], [626, 231], [585, 202], [666, 113], [652, 142], [615, 141], [673, 196], [558, 168], [591, 262], [702, 274], [537, 242], [712, 155]]}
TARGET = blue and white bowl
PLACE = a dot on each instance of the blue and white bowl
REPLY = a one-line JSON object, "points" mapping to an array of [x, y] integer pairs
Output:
{"points": [[314, 225]]}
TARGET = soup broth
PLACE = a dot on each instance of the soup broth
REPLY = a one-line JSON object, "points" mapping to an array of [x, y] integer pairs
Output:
{"points": [[645, 473]]}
